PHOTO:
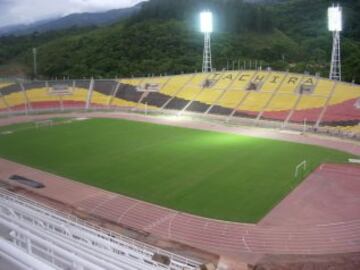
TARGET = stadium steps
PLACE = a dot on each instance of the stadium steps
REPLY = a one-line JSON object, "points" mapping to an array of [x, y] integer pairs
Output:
{"points": [[327, 101], [216, 102], [197, 106], [242, 100], [28, 106], [79, 93], [191, 101], [181, 88], [164, 85], [89, 95], [176, 104], [307, 108], [255, 101], [297, 102], [341, 106], [284, 100], [194, 98], [5, 104], [59, 97], [102, 93], [113, 95], [190, 93], [144, 95], [219, 110], [39, 98], [155, 99], [274, 93], [128, 92], [14, 97], [343, 112], [288, 117], [10, 89]]}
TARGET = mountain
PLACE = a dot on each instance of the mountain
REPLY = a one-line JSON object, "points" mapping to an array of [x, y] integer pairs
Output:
{"points": [[78, 20], [163, 37]]}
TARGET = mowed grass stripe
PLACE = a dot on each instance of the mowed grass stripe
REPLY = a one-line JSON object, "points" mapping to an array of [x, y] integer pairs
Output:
{"points": [[217, 175]]}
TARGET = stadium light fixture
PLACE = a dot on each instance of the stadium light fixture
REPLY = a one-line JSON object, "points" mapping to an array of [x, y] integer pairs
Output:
{"points": [[206, 27], [335, 26], [206, 22], [335, 19]]}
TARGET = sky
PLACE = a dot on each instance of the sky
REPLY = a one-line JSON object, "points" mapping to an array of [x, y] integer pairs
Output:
{"points": [[28, 11]]}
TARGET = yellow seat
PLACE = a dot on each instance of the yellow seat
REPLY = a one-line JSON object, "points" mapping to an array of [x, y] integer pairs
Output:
{"points": [[174, 84], [344, 92], [282, 102], [223, 79], [40, 95], [273, 81], [99, 98], [3, 85], [78, 94], [15, 99], [290, 84], [323, 87], [311, 102], [255, 101], [194, 87], [231, 98]]}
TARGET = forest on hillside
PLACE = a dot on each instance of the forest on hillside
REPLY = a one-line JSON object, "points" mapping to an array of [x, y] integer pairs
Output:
{"points": [[163, 38]]}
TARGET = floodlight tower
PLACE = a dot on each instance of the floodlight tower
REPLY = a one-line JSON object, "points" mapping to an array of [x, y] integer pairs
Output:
{"points": [[206, 26], [335, 26]]}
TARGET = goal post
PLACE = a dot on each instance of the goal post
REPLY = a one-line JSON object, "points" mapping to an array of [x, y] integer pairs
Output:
{"points": [[300, 168], [44, 123]]}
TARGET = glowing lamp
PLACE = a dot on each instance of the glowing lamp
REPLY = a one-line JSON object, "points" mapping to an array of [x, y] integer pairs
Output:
{"points": [[335, 19], [206, 22]]}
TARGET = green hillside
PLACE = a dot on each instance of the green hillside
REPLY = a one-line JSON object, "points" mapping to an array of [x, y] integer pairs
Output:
{"points": [[164, 38]]}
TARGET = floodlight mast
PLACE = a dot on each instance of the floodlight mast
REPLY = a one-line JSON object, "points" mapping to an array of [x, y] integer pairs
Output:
{"points": [[206, 25], [335, 26]]}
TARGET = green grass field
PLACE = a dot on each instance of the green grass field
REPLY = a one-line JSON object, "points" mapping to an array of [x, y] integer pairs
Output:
{"points": [[212, 174]]}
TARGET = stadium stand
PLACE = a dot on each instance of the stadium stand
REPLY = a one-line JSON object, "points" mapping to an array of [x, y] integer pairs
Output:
{"points": [[256, 95], [342, 106], [79, 95], [60, 241], [39, 97], [14, 97]]}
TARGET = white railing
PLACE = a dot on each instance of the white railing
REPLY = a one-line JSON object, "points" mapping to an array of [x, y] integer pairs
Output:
{"points": [[73, 233]]}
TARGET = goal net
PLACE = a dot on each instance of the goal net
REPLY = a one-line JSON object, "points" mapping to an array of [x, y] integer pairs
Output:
{"points": [[44, 123], [300, 169]]}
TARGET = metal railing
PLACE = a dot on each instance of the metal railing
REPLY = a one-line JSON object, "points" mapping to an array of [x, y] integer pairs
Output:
{"points": [[69, 227]]}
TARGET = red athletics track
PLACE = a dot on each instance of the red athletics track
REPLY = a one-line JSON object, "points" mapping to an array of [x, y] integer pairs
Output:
{"points": [[321, 216], [220, 237]]}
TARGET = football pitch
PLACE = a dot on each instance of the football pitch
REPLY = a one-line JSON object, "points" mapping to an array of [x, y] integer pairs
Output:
{"points": [[212, 174]]}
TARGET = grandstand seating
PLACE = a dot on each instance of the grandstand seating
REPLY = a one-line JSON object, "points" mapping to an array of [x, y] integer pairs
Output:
{"points": [[342, 105], [38, 97], [13, 97], [265, 95], [208, 95], [79, 93]]}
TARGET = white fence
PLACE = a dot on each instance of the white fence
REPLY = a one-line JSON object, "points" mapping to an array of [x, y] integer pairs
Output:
{"points": [[64, 242]]}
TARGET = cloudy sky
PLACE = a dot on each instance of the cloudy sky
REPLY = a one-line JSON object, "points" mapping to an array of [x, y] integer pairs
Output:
{"points": [[28, 11]]}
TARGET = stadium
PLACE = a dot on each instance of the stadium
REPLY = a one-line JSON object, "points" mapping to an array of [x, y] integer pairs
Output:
{"points": [[232, 169]]}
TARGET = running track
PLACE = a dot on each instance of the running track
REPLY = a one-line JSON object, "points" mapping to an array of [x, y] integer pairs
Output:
{"points": [[226, 238]]}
